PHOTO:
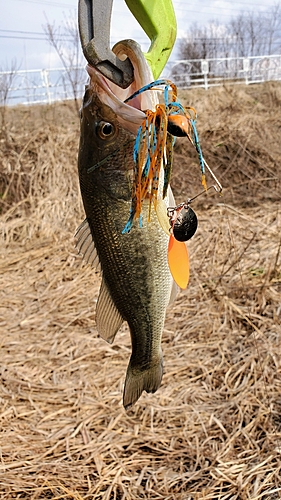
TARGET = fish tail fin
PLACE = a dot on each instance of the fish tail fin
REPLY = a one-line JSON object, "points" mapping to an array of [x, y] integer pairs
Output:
{"points": [[139, 380]]}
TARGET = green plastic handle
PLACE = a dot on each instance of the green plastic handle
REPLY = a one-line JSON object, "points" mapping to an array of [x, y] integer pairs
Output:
{"points": [[157, 18]]}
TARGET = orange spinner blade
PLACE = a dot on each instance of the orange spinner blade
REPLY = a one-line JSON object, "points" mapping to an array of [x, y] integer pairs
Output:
{"points": [[178, 261]]}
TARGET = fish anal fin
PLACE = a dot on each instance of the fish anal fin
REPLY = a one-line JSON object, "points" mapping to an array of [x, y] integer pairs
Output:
{"points": [[137, 381], [108, 318]]}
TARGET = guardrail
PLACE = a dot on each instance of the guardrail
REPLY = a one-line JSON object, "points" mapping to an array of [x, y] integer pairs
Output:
{"points": [[235, 70], [50, 85], [42, 85]]}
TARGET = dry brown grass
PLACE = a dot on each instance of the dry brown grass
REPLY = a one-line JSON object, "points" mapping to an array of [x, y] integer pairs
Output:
{"points": [[213, 429], [240, 136]]}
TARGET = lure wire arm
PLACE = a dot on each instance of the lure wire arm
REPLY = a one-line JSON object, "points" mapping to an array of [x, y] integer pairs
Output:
{"points": [[218, 188], [186, 203]]}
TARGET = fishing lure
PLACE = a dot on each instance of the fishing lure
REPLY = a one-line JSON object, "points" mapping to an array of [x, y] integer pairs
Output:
{"points": [[153, 151], [182, 218], [153, 147]]}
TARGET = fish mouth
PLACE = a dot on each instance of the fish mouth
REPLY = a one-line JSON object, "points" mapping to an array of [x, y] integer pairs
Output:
{"points": [[130, 115]]}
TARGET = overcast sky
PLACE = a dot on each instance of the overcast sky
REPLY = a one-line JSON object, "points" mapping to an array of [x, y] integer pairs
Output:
{"points": [[22, 35]]}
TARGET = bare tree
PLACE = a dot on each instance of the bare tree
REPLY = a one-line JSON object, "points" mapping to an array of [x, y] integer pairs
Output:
{"points": [[66, 42], [238, 30], [208, 42], [272, 24], [7, 77], [196, 43], [248, 34], [257, 34]]}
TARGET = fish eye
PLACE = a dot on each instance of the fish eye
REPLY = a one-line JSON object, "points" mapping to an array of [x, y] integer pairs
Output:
{"points": [[106, 130]]}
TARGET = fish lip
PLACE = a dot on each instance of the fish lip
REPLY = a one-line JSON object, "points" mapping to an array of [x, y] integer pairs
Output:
{"points": [[97, 77], [111, 89], [129, 116]]}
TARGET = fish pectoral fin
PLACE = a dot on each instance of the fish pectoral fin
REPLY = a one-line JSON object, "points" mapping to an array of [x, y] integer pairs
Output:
{"points": [[86, 246], [108, 318]]}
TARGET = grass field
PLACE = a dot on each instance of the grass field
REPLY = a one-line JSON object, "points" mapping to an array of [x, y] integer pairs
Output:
{"points": [[213, 429]]}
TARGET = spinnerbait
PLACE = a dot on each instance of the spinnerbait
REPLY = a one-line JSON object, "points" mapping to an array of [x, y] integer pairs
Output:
{"points": [[153, 152], [153, 148], [183, 220]]}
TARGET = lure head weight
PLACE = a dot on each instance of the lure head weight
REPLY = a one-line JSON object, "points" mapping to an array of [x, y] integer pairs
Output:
{"points": [[183, 222]]}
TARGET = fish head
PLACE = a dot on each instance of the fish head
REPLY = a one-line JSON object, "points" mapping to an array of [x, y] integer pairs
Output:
{"points": [[100, 129], [107, 122]]}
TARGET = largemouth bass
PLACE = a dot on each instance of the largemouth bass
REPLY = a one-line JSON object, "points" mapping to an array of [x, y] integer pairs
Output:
{"points": [[136, 281]]}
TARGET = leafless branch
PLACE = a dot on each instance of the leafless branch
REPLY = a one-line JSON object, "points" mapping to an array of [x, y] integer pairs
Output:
{"points": [[7, 76], [65, 40]]}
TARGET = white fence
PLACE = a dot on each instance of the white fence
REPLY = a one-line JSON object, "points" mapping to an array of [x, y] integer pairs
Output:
{"points": [[210, 72], [42, 85], [50, 85]]}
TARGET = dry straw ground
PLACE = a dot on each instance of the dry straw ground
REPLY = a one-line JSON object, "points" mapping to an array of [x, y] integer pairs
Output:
{"points": [[213, 429]]}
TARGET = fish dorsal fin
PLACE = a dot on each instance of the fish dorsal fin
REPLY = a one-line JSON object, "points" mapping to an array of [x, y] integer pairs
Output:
{"points": [[108, 318], [86, 246]]}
